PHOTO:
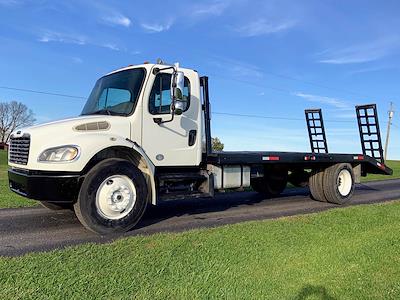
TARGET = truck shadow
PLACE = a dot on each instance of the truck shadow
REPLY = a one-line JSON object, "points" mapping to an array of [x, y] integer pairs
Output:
{"points": [[220, 203], [364, 187], [199, 208]]}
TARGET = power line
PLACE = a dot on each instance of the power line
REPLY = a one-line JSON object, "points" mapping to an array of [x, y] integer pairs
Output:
{"points": [[281, 90], [316, 84], [41, 92], [217, 113], [274, 118], [256, 116], [227, 62]]}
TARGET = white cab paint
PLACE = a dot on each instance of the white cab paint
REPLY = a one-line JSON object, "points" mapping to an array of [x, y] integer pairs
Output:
{"points": [[170, 140], [150, 139]]}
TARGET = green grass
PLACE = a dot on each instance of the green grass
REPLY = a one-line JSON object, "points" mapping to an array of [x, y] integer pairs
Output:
{"points": [[9, 199], [350, 253]]}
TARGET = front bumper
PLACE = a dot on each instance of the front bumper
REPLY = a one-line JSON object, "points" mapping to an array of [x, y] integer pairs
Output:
{"points": [[45, 186]]}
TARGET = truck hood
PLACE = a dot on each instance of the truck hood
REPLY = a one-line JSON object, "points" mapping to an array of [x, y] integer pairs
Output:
{"points": [[82, 124], [90, 133]]}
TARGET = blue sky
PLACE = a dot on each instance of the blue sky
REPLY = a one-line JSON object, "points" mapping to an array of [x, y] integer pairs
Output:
{"points": [[264, 58]]}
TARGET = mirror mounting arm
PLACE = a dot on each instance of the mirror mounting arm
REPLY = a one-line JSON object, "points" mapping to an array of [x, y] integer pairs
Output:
{"points": [[158, 70], [160, 121], [174, 96]]}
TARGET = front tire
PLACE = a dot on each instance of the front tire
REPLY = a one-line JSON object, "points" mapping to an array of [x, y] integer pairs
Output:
{"points": [[113, 197]]}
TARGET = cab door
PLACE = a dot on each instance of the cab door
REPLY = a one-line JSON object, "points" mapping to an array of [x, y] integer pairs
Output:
{"points": [[177, 142]]}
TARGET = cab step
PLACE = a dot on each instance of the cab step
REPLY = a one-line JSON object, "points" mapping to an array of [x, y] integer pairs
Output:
{"points": [[179, 177]]}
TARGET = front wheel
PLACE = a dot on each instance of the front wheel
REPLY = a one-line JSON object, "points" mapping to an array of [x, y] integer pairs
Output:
{"points": [[113, 197]]}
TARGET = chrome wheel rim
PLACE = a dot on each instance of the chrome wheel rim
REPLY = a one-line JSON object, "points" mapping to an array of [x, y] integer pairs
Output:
{"points": [[116, 197], [344, 182]]}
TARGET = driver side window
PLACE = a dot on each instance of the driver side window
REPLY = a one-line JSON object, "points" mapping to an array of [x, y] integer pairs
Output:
{"points": [[160, 99]]}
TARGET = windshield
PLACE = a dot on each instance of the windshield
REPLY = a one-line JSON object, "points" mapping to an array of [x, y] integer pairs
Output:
{"points": [[115, 94]]}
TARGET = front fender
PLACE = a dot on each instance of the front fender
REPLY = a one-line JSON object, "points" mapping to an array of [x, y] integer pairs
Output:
{"points": [[90, 144], [141, 159]]}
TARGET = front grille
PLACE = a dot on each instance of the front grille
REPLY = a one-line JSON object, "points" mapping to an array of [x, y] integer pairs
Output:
{"points": [[19, 149]]}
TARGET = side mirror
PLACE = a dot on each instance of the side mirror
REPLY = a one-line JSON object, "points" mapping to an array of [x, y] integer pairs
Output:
{"points": [[177, 86], [178, 107]]}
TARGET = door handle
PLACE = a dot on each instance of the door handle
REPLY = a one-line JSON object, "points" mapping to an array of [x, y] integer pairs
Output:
{"points": [[192, 137]]}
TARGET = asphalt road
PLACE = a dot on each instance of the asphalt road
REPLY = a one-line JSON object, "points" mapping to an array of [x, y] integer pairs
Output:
{"points": [[27, 230]]}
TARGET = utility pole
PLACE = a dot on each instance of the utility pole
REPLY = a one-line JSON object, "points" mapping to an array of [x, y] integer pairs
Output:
{"points": [[391, 114]]}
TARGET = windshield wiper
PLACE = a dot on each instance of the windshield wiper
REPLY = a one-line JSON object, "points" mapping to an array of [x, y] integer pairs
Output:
{"points": [[102, 112]]}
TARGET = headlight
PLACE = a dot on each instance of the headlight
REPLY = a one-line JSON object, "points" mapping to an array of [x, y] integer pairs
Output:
{"points": [[59, 154]]}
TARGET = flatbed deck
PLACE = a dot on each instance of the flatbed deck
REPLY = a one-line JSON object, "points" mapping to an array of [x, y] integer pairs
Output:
{"points": [[297, 159]]}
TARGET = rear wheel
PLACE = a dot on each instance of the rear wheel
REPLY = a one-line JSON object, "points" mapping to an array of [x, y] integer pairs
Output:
{"points": [[56, 206], [339, 183], [299, 178], [316, 184], [113, 197], [272, 184]]}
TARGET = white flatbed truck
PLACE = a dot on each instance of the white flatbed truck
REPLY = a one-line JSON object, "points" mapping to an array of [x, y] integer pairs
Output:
{"points": [[144, 137]]}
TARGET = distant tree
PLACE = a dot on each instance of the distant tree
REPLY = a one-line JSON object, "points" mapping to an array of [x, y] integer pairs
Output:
{"points": [[13, 115], [217, 145]]}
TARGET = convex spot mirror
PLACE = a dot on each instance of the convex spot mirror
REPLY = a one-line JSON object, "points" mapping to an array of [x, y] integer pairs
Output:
{"points": [[177, 86]]}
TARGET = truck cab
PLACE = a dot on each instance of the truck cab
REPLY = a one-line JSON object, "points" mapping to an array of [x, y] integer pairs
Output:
{"points": [[131, 114], [144, 136]]}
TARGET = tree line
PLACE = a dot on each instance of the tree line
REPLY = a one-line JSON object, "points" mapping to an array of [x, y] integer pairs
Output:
{"points": [[13, 115]]}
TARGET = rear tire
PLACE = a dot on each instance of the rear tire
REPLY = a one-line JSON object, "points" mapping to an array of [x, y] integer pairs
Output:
{"points": [[339, 183], [316, 183], [272, 184], [113, 197], [299, 178], [56, 206]]}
